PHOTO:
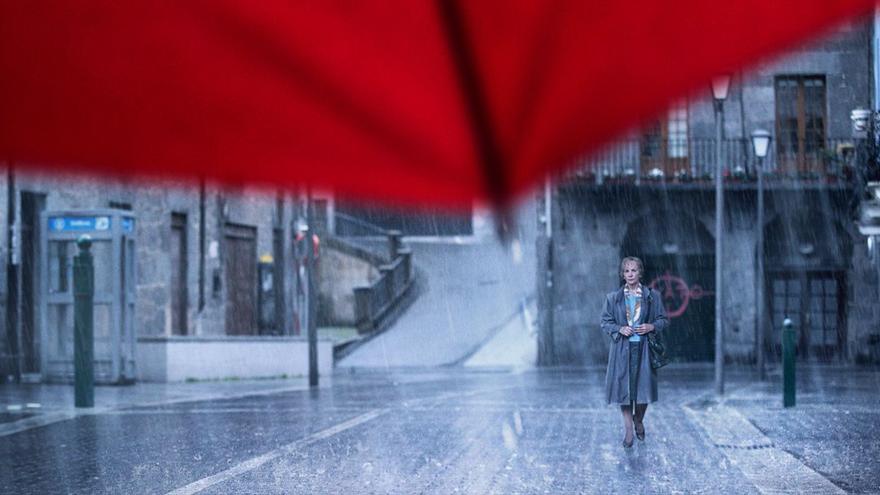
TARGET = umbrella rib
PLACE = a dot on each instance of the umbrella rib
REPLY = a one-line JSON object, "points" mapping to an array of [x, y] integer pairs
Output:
{"points": [[475, 99]]}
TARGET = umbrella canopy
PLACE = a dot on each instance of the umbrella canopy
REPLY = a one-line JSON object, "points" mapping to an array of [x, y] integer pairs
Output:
{"points": [[436, 103]]}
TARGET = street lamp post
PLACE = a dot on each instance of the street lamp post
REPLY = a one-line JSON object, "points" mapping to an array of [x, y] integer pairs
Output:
{"points": [[312, 299], [761, 145], [12, 286], [720, 87]]}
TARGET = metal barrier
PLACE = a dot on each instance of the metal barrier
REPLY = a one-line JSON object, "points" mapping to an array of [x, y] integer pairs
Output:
{"points": [[83, 326], [630, 159], [374, 302], [789, 349]]}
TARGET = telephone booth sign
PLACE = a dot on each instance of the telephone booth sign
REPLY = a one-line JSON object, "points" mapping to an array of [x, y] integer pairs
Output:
{"points": [[113, 249]]}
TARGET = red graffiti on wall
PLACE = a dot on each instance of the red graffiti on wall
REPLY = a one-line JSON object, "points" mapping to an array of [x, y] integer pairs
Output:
{"points": [[677, 294]]}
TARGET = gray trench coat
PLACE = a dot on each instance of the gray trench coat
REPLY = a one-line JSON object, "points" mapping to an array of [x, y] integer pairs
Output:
{"points": [[617, 375]]}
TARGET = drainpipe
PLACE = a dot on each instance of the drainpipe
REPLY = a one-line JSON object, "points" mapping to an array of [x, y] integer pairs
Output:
{"points": [[13, 250], [202, 244]]}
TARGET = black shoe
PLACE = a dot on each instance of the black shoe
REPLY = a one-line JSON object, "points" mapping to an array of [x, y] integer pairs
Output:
{"points": [[626, 444], [640, 431]]}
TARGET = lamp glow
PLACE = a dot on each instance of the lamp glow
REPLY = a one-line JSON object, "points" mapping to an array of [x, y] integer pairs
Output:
{"points": [[761, 142], [720, 87]]}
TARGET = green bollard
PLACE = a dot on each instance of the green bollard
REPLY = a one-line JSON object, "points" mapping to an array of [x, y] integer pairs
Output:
{"points": [[83, 325], [788, 360]]}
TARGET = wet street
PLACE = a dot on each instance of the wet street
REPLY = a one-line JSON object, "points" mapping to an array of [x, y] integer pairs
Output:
{"points": [[462, 431]]}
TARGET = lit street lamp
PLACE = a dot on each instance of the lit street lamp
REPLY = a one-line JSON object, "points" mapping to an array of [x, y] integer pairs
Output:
{"points": [[761, 145], [720, 86]]}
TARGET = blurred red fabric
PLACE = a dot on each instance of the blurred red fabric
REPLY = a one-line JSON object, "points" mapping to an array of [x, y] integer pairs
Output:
{"points": [[364, 98]]}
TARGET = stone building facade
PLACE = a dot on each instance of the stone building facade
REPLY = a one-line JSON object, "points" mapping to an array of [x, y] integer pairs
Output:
{"points": [[209, 260], [652, 195]]}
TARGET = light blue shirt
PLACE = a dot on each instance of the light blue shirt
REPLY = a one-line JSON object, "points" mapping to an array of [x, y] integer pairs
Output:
{"points": [[631, 304]]}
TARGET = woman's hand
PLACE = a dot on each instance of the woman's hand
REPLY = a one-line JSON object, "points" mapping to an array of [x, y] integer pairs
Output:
{"points": [[644, 328], [626, 331]]}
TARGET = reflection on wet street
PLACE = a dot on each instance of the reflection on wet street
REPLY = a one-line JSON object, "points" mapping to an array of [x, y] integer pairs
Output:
{"points": [[416, 431]]}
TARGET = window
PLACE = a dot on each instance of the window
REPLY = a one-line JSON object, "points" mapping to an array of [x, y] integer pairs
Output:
{"points": [[678, 133], [800, 123], [664, 143]]}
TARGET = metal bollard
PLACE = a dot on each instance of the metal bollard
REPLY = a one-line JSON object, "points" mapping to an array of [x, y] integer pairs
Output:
{"points": [[788, 362], [83, 325]]}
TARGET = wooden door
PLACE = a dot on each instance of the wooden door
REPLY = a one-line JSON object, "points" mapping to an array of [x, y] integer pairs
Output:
{"points": [[824, 316], [240, 246], [814, 301], [800, 124]]}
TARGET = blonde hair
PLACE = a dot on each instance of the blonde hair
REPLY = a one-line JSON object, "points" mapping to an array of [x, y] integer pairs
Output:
{"points": [[632, 259]]}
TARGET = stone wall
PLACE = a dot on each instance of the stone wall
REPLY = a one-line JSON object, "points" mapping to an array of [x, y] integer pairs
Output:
{"points": [[589, 227], [337, 285], [177, 359], [153, 204], [843, 56], [589, 222], [863, 311]]}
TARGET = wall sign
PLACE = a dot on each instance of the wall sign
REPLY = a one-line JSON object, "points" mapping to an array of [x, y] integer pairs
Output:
{"points": [[78, 224]]}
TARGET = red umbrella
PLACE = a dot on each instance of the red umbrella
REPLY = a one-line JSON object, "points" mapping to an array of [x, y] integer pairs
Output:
{"points": [[423, 102]]}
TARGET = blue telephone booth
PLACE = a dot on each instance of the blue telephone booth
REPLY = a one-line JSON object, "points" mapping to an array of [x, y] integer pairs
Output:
{"points": [[113, 247]]}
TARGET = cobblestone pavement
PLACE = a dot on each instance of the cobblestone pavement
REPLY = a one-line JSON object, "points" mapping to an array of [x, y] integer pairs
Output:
{"points": [[834, 427], [459, 431]]}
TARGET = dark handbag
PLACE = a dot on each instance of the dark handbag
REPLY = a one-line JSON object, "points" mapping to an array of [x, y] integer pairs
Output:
{"points": [[657, 350], [657, 347]]}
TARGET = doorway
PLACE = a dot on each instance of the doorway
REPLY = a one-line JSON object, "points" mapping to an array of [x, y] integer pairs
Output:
{"points": [[179, 269], [240, 245], [686, 285], [815, 302], [679, 257], [808, 252], [32, 204]]}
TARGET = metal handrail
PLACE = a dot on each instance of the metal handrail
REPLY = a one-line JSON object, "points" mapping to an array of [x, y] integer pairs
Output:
{"points": [[376, 300], [632, 159]]}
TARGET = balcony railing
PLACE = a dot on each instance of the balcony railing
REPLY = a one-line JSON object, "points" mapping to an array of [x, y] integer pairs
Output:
{"points": [[631, 160]]}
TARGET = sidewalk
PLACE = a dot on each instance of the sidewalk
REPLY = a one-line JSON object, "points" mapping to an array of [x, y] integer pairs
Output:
{"points": [[830, 435], [26, 406]]}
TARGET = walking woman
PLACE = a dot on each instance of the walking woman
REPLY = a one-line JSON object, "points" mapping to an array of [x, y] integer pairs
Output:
{"points": [[630, 314]]}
